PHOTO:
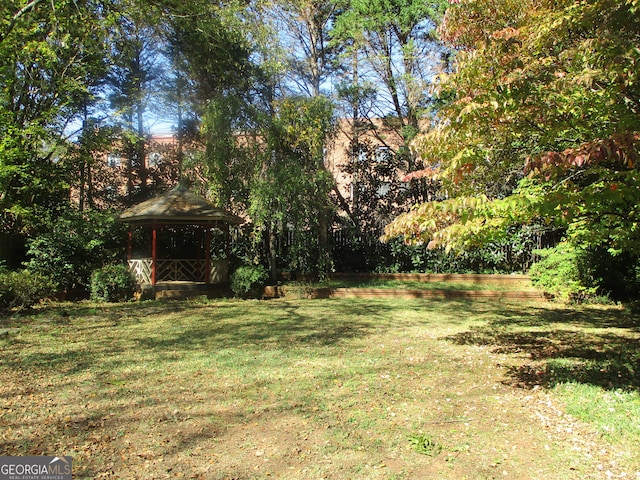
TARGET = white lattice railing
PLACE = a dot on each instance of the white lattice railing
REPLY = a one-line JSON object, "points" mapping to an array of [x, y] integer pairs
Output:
{"points": [[179, 270], [141, 269]]}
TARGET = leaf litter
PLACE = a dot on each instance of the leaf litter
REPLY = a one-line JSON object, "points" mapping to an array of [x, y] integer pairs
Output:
{"points": [[219, 408]]}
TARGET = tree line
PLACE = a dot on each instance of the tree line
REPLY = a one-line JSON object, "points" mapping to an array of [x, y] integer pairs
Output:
{"points": [[539, 128], [81, 76], [518, 119]]}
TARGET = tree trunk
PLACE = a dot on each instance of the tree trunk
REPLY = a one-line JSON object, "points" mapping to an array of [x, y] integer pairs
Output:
{"points": [[82, 187], [273, 253], [90, 187], [324, 253]]}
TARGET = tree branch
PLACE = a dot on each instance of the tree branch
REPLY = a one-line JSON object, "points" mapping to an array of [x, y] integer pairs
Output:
{"points": [[20, 13]]}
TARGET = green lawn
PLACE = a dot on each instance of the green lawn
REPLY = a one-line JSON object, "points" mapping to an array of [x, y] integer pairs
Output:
{"points": [[334, 389]]}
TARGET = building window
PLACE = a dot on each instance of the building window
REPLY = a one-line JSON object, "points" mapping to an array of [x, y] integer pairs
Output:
{"points": [[383, 189], [383, 154], [110, 193], [154, 159], [113, 160]]}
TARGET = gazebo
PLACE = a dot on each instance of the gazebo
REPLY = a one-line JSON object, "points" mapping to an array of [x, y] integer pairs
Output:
{"points": [[180, 224]]}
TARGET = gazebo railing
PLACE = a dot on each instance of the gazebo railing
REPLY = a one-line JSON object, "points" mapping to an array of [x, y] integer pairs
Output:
{"points": [[141, 269], [179, 270]]}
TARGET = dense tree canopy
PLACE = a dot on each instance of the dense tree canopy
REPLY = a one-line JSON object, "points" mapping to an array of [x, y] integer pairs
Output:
{"points": [[527, 115], [51, 62], [539, 125]]}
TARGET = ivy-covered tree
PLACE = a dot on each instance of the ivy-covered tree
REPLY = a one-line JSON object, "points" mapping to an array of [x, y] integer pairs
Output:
{"points": [[291, 193]]}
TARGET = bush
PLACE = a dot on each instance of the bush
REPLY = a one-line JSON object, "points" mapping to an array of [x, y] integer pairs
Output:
{"points": [[113, 283], [70, 247], [249, 281], [615, 275], [563, 272], [23, 289]]}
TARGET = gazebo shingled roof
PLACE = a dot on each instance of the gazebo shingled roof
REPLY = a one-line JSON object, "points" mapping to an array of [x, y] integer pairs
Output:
{"points": [[178, 206]]}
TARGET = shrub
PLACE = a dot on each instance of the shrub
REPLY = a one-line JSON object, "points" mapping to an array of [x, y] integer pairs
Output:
{"points": [[70, 247], [249, 281], [112, 283], [23, 289], [562, 272], [615, 275]]}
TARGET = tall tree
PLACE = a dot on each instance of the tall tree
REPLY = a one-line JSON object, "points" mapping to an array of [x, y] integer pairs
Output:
{"points": [[544, 89], [251, 137], [393, 53], [291, 188], [51, 60], [178, 103], [396, 51], [303, 27], [211, 46], [135, 68]]}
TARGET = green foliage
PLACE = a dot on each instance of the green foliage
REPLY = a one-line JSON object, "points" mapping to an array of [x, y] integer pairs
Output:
{"points": [[586, 273], [304, 54], [548, 90], [275, 172], [617, 276], [51, 56], [229, 181], [424, 444], [532, 77], [248, 281], [70, 247], [291, 188], [563, 273], [389, 38], [386, 94], [23, 289], [112, 283], [509, 255], [213, 38]]}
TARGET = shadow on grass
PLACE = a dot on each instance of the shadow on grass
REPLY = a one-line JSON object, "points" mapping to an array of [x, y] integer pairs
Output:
{"points": [[99, 337], [584, 345], [124, 354]]}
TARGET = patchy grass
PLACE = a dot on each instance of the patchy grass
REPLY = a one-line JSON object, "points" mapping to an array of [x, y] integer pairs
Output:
{"points": [[337, 388], [614, 413]]}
